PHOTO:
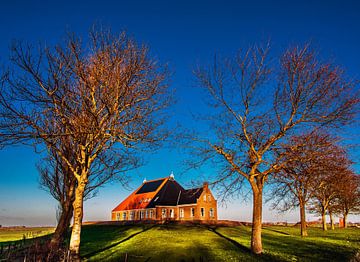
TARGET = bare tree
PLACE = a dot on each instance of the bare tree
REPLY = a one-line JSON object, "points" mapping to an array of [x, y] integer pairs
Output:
{"points": [[106, 95], [348, 196], [256, 104], [300, 159], [58, 180], [329, 174]]}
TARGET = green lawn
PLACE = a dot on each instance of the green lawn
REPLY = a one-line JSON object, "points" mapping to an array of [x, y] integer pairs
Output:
{"points": [[8, 234], [200, 243]]}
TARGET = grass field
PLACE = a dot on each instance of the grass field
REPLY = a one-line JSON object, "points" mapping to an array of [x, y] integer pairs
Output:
{"points": [[201, 243], [18, 233]]}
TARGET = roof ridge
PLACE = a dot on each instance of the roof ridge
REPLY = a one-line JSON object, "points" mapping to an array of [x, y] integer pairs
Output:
{"points": [[148, 181]]}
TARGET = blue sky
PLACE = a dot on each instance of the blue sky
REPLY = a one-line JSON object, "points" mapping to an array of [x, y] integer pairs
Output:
{"points": [[182, 34]]}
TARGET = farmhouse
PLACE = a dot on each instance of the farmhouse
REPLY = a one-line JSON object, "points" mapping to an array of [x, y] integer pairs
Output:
{"points": [[166, 199]]}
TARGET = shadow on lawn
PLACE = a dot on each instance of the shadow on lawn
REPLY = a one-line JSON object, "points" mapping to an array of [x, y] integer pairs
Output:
{"points": [[307, 249], [88, 255], [276, 231], [244, 249]]}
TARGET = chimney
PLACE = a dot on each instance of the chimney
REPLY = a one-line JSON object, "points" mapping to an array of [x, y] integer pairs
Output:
{"points": [[206, 185]]}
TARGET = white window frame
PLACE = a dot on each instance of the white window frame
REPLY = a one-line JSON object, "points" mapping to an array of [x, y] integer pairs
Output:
{"points": [[142, 214], [124, 215], [163, 213], [118, 216], [181, 211], [204, 198], [172, 213], [132, 215]]}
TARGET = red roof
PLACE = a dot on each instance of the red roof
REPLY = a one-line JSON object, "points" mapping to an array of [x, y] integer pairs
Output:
{"points": [[142, 196]]}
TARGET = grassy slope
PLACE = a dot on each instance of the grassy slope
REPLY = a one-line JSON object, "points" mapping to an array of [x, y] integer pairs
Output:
{"points": [[18, 233], [192, 243]]}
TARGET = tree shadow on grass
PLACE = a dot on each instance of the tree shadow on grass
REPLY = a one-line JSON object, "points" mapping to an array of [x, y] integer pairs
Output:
{"points": [[245, 249], [88, 255], [235, 243], [162, 243], [276, 231], [306, 249]]}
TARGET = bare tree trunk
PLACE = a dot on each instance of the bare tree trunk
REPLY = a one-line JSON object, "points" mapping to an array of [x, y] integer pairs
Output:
{"points": [[303, 220], [323, 218], [256, 243], [345, 220], [62, 226], [78, 216], [331, 221]]}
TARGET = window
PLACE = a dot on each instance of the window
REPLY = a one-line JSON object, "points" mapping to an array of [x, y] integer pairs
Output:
{"points": [[163, 213], [118, 216], [192, 212], [202, 211], [132, 214], [146, 213], [209, 198], [211, 212], [181, 212], [151, 214], [172, 213], [124, 215], [142, 214], [204, 197]]}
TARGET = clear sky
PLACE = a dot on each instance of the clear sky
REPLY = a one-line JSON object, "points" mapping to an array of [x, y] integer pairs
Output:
{"points": [[182, 34]]}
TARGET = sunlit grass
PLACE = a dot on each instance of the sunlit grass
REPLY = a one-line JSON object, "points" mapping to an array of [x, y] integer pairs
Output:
{"points": [[200, 243], [18, 233]]}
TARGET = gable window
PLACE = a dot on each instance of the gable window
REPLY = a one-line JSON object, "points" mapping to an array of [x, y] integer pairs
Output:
{"points": [[163, 213], [118, 216], [202, 211], [192, 213], [181, 212], [211, 212], [124, 216], [209, 198], [204, 198]]}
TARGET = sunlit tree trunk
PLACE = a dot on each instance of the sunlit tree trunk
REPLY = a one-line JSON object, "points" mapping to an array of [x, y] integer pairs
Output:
{"points": [[323, 218], [345, 220], [303, 220], [256, 243], [78, 216]]}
